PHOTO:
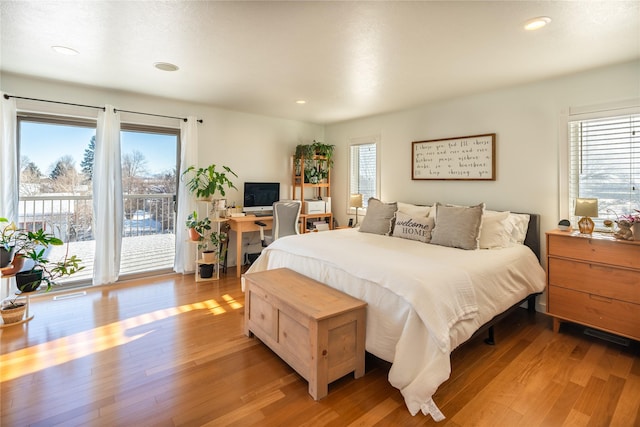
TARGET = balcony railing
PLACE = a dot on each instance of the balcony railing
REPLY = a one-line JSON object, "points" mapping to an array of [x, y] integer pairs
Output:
{"points": [[71, 217], [148, 229]]}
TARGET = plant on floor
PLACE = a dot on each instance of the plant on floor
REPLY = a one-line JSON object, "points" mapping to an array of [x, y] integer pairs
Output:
{"points": [[206, 182]]}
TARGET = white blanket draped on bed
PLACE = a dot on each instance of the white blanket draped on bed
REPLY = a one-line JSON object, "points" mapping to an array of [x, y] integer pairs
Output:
{"points": [[423, 300]]}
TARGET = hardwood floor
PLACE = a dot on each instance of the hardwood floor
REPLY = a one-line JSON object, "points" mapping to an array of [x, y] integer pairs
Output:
{"points": [[168, 351]]}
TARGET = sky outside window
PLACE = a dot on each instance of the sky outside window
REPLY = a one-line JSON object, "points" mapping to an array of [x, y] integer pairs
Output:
{"points": [[45, 143]]}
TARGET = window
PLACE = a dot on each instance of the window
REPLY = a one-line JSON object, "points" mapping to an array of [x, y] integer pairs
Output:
{"points": [[56, 172], [364, 169], [604, 163]]}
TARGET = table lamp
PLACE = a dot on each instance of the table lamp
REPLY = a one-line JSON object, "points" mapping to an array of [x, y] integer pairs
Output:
{"points": [[586, 208], [356, 202]]}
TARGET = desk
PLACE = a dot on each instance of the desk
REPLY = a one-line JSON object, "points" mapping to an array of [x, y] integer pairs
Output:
{"points": [[243, 224]]}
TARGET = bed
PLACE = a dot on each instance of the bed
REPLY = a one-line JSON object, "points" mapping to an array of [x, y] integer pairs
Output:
{"points": [[424, 299]]}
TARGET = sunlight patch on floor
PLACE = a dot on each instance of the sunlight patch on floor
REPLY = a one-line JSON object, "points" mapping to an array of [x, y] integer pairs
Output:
{"points": [[56, 352]]}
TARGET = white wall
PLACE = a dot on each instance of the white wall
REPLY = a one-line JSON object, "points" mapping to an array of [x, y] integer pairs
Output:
{"points": [[257, 148], [527, 123]]}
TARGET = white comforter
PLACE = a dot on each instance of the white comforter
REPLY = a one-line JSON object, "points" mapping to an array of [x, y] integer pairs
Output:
{"points": [[423, 300]]}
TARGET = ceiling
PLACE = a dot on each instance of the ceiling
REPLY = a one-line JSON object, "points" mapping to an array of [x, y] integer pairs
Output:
{"points": [[346, 59]]}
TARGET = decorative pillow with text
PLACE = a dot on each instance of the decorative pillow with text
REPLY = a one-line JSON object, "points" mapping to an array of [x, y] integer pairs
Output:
{"points": [[413, 228]]}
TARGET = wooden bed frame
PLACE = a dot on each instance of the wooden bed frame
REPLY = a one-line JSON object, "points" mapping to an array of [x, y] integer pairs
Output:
{"points": [[532, 241]]}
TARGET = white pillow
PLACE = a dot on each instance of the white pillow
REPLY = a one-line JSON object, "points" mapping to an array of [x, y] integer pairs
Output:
{"points": [[493, 233], [517, 225], [414, 210], [413, 227]]}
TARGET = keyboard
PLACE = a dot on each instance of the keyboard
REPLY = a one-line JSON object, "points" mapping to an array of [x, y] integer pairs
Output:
{"points": [[263, 213]]}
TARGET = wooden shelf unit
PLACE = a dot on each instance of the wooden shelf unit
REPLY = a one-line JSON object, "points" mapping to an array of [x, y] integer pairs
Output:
{"points": [[215, 226], [316, 191], [594, 280]]}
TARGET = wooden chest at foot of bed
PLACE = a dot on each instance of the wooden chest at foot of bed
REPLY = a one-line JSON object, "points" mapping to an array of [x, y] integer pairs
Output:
{"points": [[319, 331]]}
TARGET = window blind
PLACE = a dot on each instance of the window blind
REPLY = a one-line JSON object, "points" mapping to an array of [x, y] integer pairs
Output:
{"points": [[605, 163], [363, 171]]}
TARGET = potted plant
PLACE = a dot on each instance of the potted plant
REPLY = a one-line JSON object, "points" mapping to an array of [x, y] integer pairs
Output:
{"points": [[12, 310], [206, 182], [306, 152], [324, 150], [32, 245], [634, 222], [315, 169], [6, 242], [211, 246], [197, 227]]}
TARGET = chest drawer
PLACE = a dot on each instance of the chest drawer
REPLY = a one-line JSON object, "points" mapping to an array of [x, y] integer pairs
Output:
{"points": [[595, 250], [604, 313], [611, 282]]}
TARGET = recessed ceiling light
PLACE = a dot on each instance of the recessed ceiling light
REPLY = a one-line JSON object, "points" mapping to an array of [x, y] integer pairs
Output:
{"points": [[537, 23], [166, 66], [301, 101], [63, 50]]}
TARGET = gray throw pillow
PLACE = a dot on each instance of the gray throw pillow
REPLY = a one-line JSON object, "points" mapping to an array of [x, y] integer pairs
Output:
{"points": [[378, 219], [457, 226]]}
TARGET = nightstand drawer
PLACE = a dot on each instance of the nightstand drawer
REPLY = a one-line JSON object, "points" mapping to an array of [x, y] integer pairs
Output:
{"points": [[609, 314], [595, 279], [600, 251]]}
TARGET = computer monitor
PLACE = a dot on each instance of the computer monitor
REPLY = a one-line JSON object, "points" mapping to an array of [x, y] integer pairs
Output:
{"points": [[260, 196]]}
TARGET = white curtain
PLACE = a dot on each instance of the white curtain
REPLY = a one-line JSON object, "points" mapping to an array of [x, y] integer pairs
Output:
{"points": [[185, 252], [8, 159], [107, 198]]}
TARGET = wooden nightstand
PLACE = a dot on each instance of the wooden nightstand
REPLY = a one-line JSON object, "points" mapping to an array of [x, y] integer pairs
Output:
{"points": [[594, 281]]}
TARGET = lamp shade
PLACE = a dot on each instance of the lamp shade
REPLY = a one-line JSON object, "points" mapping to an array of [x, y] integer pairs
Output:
{"points": [[587, 207], [355, 201]]}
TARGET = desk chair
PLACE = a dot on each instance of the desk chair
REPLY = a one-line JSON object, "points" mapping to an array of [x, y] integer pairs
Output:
{"points": [[286, 215]]}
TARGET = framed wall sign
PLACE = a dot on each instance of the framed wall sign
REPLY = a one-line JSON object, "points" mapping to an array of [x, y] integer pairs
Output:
{"points": [[462, 158]]}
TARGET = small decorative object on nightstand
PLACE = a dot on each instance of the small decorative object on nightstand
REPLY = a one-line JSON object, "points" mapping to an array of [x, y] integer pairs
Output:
{"points": [[586, 208], [564, 225]]}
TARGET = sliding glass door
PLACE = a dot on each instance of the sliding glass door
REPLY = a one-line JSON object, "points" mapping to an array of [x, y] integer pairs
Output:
{"points": [[55, 185], [56, 169], [149, 182]]}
